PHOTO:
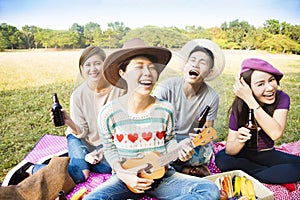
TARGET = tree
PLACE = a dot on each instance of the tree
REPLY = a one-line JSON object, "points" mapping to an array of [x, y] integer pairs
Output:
{"points": [[193, 32], [7, 31], [155, 36], [285, 29], [280, 43], [65, 39], [2, 42], [224, 26], [28, 33], [295, 33], [91, 31], [117, 32], [79, 31], [45, 37], [16, 40], [109, 39], [275, 36], [238, 32], [272, 26]]}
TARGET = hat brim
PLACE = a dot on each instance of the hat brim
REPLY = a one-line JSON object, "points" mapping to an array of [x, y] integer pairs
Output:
{"points": [[114, 60], [219, 58]]}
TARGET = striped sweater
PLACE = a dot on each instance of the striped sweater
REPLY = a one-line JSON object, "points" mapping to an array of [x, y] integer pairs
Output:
{"points": [[127, 135]]}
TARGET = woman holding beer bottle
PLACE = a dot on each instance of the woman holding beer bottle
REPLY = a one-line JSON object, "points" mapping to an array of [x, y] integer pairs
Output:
{"points": [[257, 89]]}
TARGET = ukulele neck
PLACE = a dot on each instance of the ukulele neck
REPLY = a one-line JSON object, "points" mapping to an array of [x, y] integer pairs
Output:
{"points": [[172, 155]]}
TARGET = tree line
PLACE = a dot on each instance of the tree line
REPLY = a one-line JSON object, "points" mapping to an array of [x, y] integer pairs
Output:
{"points": [[274, 36]]}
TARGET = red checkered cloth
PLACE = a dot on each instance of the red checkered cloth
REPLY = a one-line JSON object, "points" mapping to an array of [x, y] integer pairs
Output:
{"points": [[50, 145]]}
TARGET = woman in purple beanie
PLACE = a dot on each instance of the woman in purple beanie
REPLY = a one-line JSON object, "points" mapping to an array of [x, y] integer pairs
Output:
{"points": [[257, 89]]}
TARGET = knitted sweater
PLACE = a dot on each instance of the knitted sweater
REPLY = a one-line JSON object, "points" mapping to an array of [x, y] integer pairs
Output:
{"points": [[126, 135], [84, 108]]}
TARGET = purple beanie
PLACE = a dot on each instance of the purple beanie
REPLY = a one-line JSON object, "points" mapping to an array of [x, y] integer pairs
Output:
{"points": [[261, 65]]}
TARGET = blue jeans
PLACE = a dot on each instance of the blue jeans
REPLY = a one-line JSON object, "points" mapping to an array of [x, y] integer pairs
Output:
{"points": [[77, 151], [172, 186], [201, 156], [272, 166], [37, 167]]}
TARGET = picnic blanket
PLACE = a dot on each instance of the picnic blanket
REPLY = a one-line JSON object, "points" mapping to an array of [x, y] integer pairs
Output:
{"points": [[50, 145]]}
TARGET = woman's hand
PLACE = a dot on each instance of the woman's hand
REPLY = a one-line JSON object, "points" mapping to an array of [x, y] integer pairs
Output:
{"points": [[94, 157], [242, 89], [243, 134], [130, 178], [65, 114]]}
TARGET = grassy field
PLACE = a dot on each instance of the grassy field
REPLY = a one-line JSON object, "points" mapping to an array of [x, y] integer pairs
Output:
{"points": [[28, 79]]}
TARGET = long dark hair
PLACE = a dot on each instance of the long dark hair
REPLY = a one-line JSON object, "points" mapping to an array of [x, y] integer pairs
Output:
{"points": [[240, 108]]}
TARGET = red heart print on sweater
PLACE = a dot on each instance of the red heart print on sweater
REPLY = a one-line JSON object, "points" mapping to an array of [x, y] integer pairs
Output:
{"points": [[160, 134], [133, 137], [147, 136], [120, 137]]}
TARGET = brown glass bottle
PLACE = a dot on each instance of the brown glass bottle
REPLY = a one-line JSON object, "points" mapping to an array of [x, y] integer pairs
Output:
{"points": [[56, 109], [252, 126], [62, 195], [202, 118]]}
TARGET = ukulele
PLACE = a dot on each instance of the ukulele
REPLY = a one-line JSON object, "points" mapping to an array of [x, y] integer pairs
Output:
{"points": [[153, 165]]}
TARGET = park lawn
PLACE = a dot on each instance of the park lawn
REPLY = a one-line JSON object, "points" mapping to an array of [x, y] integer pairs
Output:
{"points": [[28, 79]]}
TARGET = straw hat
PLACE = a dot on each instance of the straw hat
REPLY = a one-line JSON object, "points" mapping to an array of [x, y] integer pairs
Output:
{"points": [[219, 58], [132, 48]]}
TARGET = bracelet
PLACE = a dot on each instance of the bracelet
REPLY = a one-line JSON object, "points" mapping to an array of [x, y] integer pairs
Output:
{"points": [[258, 107]]}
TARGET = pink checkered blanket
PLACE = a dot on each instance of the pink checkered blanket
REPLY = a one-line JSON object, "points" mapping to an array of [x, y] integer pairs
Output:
{"points": [[50, 145]]}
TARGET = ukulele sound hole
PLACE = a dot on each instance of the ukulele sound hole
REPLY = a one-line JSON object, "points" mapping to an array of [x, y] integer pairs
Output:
{"points": [[148, 168]]}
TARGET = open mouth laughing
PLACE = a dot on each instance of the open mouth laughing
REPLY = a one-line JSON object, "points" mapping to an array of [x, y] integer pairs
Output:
{"points": [[269, 96], [146, 83], [193, 73]]}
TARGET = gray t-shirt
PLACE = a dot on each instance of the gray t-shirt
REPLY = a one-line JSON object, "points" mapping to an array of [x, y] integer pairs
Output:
{"points": [[187, 110]]}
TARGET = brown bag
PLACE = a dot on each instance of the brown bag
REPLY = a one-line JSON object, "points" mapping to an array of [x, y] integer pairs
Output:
{"points": [[43, 185]]}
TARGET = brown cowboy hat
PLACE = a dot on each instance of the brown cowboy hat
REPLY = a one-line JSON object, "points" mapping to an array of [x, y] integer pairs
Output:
{"points": [[133, 47]]}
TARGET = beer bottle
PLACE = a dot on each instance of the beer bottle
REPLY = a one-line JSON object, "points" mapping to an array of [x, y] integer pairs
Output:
{"points": [[56, 109], [202, 118], [252, 126], [62, 195]]}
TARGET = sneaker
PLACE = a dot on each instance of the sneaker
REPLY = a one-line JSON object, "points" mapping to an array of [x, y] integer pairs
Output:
{"points": [[17, 174], [199, 171], [46, 159]]}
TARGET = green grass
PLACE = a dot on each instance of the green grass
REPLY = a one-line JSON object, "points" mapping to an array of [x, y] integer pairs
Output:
{"points": [[28, 79], [25, 117]]}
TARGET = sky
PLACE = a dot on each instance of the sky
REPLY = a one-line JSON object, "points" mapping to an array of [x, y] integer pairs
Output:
{"points": [[61, 14]]}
